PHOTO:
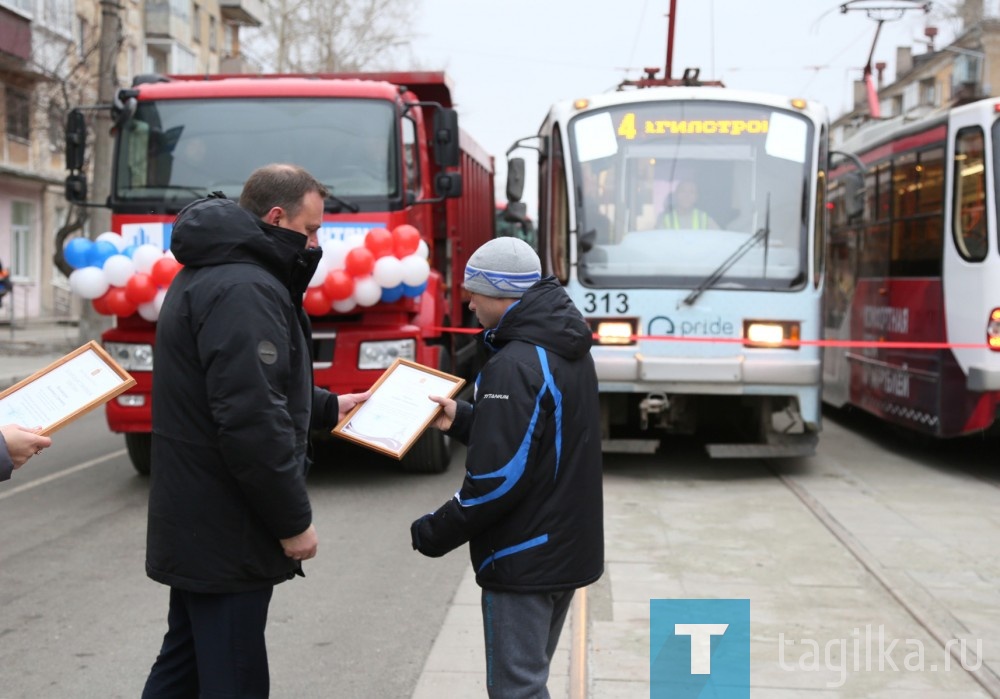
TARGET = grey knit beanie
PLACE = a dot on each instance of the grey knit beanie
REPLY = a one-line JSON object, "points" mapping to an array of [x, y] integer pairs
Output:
{"points": [[502, 268]]}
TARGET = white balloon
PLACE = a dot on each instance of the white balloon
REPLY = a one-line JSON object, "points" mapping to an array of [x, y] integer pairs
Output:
{"points": [[345, 305], [423, 250], [114, 239], [170, 254], [88, 282], [334, 252], [367, 292], [320, 274], [415, 269], [145, 257], [149, 311], [388, 272], [118, 269], [355, 241]]}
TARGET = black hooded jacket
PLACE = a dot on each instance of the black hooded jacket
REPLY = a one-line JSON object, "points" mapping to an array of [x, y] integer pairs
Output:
{"points": [[531, 505], [233, 402]]}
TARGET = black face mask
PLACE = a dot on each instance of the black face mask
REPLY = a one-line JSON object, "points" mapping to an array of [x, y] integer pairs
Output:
{"points": [[306, 263]]}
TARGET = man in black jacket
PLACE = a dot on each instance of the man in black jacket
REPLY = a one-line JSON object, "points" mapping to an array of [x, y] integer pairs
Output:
{"points": [[531, 505], [233, 403]]}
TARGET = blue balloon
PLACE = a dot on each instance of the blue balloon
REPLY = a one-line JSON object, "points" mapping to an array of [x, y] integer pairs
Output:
{"points": [[99, 252], [77, 251], [129, 252], [414, 291], [393, 294]]}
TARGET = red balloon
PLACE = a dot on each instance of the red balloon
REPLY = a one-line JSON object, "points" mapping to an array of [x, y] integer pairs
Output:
{"points": [[315, 302], [164, 270], [379, 241], [140, 288], [118, 302], [338, 285], [405, 240], [359, 262], [101, 305]]}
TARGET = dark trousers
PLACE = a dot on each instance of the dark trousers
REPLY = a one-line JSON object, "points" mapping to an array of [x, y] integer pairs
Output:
{"points": [[522, 632], [214, 647]]}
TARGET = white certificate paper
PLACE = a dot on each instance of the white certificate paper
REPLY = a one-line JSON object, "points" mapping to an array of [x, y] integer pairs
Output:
{"points": [[65, 390], [399, 409]]}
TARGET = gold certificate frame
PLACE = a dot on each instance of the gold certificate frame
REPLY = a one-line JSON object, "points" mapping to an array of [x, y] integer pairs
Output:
{"points": [[399, 409], [65, 390]]}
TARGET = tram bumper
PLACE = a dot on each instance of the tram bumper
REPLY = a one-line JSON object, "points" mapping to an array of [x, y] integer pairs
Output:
{"points": [[982, 379], [686, 374]]}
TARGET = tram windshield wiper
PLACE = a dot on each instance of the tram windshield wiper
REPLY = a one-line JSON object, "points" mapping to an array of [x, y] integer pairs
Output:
{"points": [[762, 235]]}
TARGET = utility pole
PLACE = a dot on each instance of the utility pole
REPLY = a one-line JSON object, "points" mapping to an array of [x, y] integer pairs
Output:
{"points": [[91, 322]]}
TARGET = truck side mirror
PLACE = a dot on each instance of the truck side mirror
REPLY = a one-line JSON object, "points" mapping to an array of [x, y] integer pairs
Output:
{"points": [[446, 146], [76, 140], [516, 212], [854, 191], [515, 179], [448, 184]]}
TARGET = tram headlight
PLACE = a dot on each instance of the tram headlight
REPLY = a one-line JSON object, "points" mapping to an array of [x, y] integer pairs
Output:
{"points": [[771, 333], [993, 330], [614, 331]]}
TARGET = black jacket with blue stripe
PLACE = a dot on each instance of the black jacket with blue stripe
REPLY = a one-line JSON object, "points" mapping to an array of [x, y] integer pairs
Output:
{"points": [[531, 505]]}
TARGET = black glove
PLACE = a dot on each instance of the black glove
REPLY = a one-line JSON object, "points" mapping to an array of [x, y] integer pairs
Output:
{"points": [[415, 533]]}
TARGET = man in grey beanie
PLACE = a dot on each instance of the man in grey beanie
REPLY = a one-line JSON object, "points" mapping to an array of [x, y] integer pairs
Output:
{"points": [[531, 504]]}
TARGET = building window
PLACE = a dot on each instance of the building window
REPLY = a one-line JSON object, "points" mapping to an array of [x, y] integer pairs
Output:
{"points": [[18, 103], [83, 33], [21, 215], [928, 92], [57, 122], [196, 24], [212, 31]]}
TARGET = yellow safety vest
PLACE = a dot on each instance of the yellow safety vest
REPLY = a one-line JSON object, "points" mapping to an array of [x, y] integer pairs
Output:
{"points": [[699, 219]]}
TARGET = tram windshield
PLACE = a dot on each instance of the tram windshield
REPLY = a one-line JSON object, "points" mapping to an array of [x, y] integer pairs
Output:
{"points": [[173, 150], [669, 192]]}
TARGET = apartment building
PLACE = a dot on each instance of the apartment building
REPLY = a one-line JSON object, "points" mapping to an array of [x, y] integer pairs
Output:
{"points": [[49, 53]]}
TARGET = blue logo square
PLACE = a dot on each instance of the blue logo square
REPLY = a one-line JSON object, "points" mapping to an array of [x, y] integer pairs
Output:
{"points": [[699, 648]]}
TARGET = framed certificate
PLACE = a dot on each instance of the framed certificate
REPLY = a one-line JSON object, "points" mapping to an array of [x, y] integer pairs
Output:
{"points": [[399, 409], [68, 388]]}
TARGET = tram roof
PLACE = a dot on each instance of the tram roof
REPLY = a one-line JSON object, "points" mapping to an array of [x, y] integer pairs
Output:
{"points": [[565, 109], [885, 130]]}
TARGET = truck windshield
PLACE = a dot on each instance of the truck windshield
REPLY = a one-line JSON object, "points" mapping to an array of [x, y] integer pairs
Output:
{"points": [[667, 191], [177, 150]]}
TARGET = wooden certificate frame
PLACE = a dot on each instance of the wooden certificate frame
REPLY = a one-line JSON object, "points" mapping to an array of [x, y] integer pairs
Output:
{"points": [[65, 390], [399, 410]]}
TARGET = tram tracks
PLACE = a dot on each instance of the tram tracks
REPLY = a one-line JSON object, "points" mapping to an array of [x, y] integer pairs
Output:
{"points": [[928, 612]]}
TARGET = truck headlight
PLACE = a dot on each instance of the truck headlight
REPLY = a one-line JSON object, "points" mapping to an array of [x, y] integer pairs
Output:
{"points": [[131, 356], [381, 354]]}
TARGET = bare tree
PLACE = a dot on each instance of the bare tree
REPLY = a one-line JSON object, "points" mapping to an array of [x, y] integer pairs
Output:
{"points": [[313, 36]]}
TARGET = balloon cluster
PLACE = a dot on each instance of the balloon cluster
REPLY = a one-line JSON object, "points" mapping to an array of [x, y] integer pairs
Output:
{"points": [[119, 279], [380, 266]]}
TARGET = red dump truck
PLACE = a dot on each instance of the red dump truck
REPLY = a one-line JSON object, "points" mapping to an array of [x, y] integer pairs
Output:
{"points": [[388, 147]]}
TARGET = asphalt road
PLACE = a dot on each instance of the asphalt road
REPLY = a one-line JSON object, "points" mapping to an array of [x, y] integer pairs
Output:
{"points": [[79, 618]]}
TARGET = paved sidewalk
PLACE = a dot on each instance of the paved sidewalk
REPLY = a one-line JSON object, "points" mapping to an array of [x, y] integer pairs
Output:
{"points": [[33, 345]]}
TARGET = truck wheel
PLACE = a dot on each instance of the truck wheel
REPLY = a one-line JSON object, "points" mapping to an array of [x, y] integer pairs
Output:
{"points": [[139, 445], [430, 454]]}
